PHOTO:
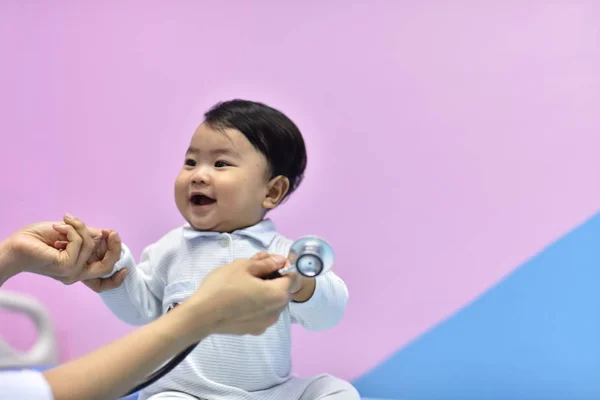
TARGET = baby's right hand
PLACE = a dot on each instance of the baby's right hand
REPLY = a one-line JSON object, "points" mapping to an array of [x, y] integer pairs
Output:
{"points": [[108, 246], [106, 253]]}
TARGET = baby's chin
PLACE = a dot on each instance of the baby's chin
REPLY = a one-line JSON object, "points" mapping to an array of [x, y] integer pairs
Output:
{"points": [[208, 226], [202, 226], [220, 226]]}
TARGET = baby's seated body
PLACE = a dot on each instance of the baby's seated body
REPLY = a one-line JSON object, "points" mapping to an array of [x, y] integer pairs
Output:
{"points": [[243, 160]]}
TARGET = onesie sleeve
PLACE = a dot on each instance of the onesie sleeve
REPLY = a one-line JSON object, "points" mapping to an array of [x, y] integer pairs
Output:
{"points": [[138, 300], [327, 306]]}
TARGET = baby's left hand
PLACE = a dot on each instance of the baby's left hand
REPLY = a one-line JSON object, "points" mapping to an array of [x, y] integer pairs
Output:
{"points": [[297, 281]]}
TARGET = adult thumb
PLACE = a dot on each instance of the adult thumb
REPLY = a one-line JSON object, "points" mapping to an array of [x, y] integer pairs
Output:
{"points": [[260, 268]]}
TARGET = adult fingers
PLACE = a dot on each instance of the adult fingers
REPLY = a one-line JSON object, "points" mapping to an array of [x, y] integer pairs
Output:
{"points": [[88, 245], [61, 244], [68, 257], [296, 281], [280, 290], [260, 255], [265, 266]]}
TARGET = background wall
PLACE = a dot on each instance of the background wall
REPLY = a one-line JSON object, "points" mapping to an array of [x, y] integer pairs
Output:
{"points": [[457, 139]]}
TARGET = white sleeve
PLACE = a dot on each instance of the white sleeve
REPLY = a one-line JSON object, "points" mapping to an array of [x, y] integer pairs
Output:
{"points": [[25, 384], [138, 300], [325, 308]]}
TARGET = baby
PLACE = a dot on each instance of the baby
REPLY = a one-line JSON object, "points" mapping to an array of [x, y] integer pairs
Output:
{"points": [[245, 159]]}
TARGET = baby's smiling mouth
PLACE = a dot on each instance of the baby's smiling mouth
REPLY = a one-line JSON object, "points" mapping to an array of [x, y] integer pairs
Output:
{"points": [[201, 200]]}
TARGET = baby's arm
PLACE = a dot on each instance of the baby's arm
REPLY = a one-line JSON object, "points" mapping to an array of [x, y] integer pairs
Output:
{"points": [[321, 301], [138, 300], [325, 308]]}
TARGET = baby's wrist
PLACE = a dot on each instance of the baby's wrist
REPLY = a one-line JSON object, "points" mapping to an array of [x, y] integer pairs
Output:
{"points": [[306, 291], [118, 265]]}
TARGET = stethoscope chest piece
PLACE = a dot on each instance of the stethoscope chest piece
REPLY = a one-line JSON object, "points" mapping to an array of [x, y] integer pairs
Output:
{"points": [[311, 256]]}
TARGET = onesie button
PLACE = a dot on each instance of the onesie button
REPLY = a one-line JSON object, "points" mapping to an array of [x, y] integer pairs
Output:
{"points": [[224, 242]]}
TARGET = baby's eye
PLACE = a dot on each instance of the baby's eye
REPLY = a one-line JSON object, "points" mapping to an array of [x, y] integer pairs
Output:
{"points": [[190, 163], [221, 164]]}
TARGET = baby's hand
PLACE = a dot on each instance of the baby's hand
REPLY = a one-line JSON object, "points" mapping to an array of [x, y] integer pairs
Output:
{"points": [[106, 253], [108, 243]]}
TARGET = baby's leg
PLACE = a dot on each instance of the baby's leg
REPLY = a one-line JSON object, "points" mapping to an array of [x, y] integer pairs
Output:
{"points": [[330, 388], [172, 396]]}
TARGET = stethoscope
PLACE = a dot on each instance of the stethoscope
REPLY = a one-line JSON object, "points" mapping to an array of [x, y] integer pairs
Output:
{"points": [[310, 256]]}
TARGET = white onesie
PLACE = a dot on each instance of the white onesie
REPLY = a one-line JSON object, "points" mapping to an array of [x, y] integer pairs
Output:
{"points": [[225, 366]]}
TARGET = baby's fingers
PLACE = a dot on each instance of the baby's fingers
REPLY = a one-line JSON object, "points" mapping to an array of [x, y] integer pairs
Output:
{"points": [[114, 247], [60, 244], [99, 285]]}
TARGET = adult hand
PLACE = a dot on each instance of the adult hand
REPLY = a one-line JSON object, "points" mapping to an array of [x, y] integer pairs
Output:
{"points": [[238, 300], [232, 300], [301, 287], [34, 249]]}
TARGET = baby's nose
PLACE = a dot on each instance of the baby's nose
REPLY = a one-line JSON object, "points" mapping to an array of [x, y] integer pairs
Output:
{"points": [[201, 177]]}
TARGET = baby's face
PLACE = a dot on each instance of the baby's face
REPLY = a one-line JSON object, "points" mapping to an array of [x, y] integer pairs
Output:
{"points": [[223, 183]]}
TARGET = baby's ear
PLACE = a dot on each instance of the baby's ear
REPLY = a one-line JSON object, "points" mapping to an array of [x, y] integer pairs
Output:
{"points": [[276, 191]]}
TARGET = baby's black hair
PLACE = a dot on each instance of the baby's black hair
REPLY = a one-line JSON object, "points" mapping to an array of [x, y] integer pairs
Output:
{"points": [[270, 131]]}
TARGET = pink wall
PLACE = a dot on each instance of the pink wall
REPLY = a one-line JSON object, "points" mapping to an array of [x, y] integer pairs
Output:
{"points": [[428, 124]]}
